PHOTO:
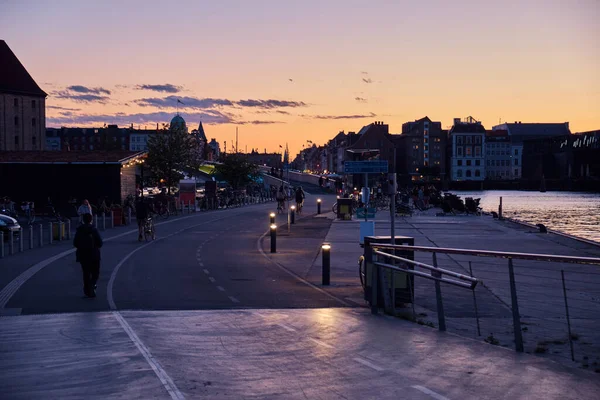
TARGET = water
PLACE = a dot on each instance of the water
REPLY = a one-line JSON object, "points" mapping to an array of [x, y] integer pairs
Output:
{"points": [[574, 213]]}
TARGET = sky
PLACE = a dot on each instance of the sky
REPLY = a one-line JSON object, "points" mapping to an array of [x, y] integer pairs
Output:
{"points": [[288, 72]]}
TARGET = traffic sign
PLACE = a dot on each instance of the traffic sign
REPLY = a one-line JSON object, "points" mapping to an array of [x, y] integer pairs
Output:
{"points": [[365, 167]]}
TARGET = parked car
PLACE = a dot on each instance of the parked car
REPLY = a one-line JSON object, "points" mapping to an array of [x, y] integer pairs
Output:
{"points": [[8, 224]]}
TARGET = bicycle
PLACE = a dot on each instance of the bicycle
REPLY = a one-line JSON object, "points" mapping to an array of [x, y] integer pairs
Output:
{"points": [[162, 210], [149, 231], [299, 207]]}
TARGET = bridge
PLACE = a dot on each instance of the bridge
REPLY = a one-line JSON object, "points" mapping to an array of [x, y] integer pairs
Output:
{"points": [[207, 311]]}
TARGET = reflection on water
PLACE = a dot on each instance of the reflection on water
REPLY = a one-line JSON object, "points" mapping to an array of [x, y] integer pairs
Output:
{"points": [[574, 213]]}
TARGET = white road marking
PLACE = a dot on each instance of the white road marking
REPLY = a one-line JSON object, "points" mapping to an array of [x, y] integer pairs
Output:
{"points": [[213, 280], [284, 326], [368, 363], [221, 288], [201, 264], [430, 392], [233, 299], [165, 379], [320, 343], [206, 271]]}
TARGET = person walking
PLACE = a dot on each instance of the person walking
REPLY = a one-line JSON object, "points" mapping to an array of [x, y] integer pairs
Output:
{"points": [[83, 209], [88, 243]]}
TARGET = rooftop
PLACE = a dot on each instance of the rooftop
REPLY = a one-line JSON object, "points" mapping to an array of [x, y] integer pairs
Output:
{"points": [[67, 157], [14, 78]]}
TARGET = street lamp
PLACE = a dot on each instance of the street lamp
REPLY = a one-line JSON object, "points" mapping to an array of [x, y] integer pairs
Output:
{"points": [[318, 206], [326, 250], [273, 229]]}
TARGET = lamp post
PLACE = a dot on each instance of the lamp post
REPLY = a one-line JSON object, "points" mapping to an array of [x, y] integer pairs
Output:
{"points": [[326, 250], [318, 206], [273, 238]]}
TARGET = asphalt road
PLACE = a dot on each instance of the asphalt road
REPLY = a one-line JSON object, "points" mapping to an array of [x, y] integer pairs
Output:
{"points": [[206, 261]]}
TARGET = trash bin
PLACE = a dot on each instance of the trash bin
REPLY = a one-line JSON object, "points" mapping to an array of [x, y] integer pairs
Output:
{"points": [[344, 209], [403, 283], [117, 216], [58, 229]]}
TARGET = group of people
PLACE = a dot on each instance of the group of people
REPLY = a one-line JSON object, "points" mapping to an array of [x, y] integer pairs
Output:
{"points": [[283, 194]]}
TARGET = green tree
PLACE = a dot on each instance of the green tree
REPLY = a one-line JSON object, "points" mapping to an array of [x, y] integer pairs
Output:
{"points": [[170, 153], [237, 170]]}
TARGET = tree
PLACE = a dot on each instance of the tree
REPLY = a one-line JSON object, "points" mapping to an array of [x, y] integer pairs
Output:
{"points": [[171, 152], [237, 170]]}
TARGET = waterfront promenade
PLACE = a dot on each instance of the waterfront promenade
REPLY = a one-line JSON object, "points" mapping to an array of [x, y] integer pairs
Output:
{"points": [[207, 312]]}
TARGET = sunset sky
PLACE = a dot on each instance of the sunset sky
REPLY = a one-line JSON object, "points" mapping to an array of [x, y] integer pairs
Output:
{"points": [[292, 71]]}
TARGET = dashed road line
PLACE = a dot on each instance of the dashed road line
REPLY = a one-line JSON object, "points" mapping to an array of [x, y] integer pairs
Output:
{"points": [[368, 364], [202, 264], [213, 280], [320, 343], [233, 299], [221, 288], [206, 271], [430, 392]]}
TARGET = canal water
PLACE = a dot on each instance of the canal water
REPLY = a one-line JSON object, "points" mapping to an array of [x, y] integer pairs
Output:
{"points": [[574, 213]]}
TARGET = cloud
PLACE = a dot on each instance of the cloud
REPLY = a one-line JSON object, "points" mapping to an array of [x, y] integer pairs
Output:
{"points": [[360, 99], [167, 88], [81, 98], [213, 117], [282, 112], [355, 116], [84, 89], [364, 72], [256, 122], [270, 103], [290, 79], [188, 102], [63, 108], [367, 80]]}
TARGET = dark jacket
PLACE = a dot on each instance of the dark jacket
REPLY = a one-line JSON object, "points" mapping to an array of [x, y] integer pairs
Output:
{"points": [[82, 238]]}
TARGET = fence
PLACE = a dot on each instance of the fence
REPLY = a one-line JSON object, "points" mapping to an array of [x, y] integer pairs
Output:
{"points": [[536, 303]]}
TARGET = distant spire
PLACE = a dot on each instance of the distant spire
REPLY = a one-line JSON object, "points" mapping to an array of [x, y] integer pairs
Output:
{"points": [[201, 134]]}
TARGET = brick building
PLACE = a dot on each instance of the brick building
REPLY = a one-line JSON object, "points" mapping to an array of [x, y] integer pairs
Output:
{"points": [[22, 106]]}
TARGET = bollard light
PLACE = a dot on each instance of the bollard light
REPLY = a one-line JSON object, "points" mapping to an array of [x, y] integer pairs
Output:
{"points": [[318, 206], [326, 251], [272, 218], [273, 238], [338, 196], [292, 214]]}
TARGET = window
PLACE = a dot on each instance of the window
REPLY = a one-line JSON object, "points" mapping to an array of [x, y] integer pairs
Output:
{"points": [[16, 121], [459, 163], [33, 122], [16, 102], [459, 140], [477, 172], [516, 172], [32, 103], [478, 162], [425, 140], [459, 173], [516, 152], [516, 162], [16, 140], [488, 163], [468, 175], [477, 151], [468, 163], [459, 151], [468, 150], [477, 139], [33, 140]]}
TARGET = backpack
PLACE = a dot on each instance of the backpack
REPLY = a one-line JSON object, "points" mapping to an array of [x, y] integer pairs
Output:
{"points": [[86, 241]]}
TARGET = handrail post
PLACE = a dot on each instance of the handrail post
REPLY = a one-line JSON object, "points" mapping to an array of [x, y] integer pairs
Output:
{"points": [[515, 308], [562, 274], [41, 236], [438, 296], [370, 259], [30, 237], [51, 232]]}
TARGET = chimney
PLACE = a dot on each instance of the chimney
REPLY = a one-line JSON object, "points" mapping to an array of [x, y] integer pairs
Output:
{"points": [[456, 121], [567, 125]]}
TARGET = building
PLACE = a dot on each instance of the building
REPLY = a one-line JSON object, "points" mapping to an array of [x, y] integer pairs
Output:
{"points": [[467, 150], [569, 157], [215, 150], [519, 132], [139, 138], [336, 151], [265, 159], [498, 156], [108, 138], [22, 106], [66, 175], [421, 150]]}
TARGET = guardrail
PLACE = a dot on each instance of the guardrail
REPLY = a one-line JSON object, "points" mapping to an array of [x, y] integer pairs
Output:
{"points": [[551, 301]]}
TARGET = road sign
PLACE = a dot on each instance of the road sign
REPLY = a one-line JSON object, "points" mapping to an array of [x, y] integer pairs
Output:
{"points": [[365, 167]]}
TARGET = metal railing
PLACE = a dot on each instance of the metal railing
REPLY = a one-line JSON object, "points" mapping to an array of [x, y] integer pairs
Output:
{"points": [[551, 301]]}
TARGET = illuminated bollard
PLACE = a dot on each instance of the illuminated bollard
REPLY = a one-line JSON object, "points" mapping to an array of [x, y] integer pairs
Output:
{"points": [[326, 250], [318, 206], [273, 238], [272, 218], [292, 214]]}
